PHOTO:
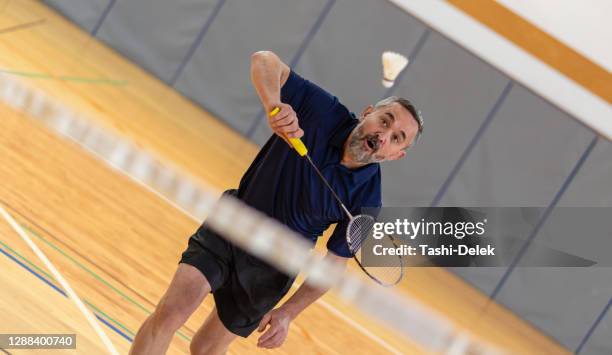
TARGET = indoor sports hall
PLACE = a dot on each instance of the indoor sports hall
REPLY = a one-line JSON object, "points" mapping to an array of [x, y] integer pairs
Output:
{"points": [[123, 121]]}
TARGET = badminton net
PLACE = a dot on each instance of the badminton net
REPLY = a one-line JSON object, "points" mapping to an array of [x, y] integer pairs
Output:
{"points": [[244, 226]]}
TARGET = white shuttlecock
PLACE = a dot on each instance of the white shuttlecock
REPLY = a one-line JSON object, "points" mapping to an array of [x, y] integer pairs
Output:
{"points": [[393, 64]]}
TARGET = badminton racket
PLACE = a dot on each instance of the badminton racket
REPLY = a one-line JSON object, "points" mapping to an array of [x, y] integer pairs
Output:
{"points": [[358, 229]]}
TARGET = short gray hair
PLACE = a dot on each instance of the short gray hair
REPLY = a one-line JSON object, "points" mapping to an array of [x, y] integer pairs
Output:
{"points": [[408, 106]]}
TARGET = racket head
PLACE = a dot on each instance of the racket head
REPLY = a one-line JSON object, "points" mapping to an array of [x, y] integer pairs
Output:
{"points": [[359, 229]]}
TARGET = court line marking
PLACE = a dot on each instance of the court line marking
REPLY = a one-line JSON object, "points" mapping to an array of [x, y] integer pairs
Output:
{"points": [[76, 79], [49, 281], [84, 267], [23, 26], [326, 305], [73, 296]]}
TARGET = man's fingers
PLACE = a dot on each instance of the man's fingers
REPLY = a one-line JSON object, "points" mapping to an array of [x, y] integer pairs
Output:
{"points": [[299, 133], [286, 121], [284, 112], [267, 335], [277, 340], [273, 342], [290, 128], [265, 319], [293, 127], [285, 124]]}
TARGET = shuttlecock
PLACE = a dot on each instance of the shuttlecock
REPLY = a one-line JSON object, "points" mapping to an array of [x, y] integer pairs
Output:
{"points": [[393, 64]]}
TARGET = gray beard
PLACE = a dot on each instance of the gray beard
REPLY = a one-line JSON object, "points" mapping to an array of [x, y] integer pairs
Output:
{"points": [[356, 150]]}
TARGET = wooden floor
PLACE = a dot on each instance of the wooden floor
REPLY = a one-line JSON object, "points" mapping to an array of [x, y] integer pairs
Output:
{"points": [[118, 243]]}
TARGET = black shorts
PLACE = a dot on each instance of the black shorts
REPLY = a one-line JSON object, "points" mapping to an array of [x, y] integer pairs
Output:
{"points": [[244, 287]]}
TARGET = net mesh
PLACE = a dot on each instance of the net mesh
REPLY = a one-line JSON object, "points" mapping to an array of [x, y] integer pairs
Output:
{"points": [[246, 227]]}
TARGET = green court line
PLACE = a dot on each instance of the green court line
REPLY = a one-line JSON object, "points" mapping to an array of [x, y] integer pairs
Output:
{"points": [[111, 319], [26, 260], [93, 80], [27, 74], [77, 79], [92, 273], [96, 276]]}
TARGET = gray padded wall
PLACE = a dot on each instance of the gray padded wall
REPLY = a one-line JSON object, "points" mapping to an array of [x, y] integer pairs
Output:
{"points": [[563, 301], [159, 46], [218, 74], [523, 156], [593, 185], [84, 13], [599, 342]]}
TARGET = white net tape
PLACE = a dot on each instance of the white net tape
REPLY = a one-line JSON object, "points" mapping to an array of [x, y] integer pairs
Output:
{"points": [[244, 226]]}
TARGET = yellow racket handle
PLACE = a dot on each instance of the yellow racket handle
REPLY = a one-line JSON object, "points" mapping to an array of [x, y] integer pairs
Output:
{"points": [[297, 143]]}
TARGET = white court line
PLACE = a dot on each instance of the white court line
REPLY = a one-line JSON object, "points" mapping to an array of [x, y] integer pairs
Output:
{"points": [[73, 296]]}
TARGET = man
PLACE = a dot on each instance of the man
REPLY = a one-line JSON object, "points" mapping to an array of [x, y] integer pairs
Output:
{"points": [[280, 184]]}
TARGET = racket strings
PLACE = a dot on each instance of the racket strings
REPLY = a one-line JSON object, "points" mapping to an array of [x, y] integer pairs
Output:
{"points": [[358, 231], [387, 269]]}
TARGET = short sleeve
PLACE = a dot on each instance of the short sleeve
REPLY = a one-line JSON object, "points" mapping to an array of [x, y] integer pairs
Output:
{"points": [[294, 90], [310, 102]]}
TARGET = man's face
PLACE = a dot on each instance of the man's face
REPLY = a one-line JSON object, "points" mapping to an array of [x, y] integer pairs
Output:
{"points": [[382, 134]]}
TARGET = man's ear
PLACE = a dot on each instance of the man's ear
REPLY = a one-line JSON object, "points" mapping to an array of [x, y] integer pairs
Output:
{"points": [[366, 111], [397, 156]]}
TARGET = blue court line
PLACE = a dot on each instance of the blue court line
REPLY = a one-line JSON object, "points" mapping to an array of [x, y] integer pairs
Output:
{"points": [[592, 328], [118, 331], [468, 150], [60, 291], [33, 272], [544, 216], [107, 9], [417, 48], [196, 42], [296, 58]]}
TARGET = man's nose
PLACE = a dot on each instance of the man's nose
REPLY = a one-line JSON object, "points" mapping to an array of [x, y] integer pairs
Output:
{"points": [[383, 139]]}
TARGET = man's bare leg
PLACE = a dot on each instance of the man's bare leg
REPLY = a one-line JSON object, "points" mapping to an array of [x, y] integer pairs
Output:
{"points": [[212, 338], [185, 293]]}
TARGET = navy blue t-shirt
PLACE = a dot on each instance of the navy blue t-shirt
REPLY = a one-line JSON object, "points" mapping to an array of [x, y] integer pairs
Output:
{"points": [[283, 185]]}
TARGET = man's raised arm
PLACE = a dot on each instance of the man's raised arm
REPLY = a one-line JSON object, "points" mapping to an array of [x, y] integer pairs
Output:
{"points": [[268, 75]]}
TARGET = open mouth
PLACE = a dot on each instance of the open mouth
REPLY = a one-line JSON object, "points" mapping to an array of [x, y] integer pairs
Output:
{"points": [[372, 143]]}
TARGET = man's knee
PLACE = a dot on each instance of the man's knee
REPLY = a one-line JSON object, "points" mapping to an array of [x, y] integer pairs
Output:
{"points": [[184, 295], [169, 316]]}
